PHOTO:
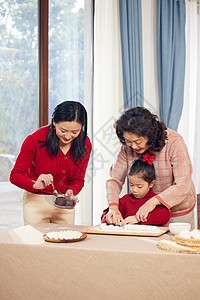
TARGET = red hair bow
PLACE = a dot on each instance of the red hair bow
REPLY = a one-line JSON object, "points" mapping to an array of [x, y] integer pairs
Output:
{"points": [[148, 158]]}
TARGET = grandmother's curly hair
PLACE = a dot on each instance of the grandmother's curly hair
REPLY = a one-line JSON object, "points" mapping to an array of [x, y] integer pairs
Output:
{"points": [[142, 122]]}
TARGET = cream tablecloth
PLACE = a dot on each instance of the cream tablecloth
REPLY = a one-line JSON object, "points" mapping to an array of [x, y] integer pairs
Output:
{"points": [[100, 267]]}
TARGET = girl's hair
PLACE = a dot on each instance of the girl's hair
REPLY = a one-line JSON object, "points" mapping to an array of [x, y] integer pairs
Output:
{"points": [[68, 111], [143, 169], [142, 122]]}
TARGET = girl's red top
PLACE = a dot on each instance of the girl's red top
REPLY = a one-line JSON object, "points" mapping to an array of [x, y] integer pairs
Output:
{"points": [[129, 205]]}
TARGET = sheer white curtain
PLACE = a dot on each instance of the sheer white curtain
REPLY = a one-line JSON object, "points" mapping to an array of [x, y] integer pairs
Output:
{"points": [[108, 97], [190, 122]]}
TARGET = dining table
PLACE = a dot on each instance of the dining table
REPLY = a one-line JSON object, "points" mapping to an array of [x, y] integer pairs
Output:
{"points": [[102, 266]]}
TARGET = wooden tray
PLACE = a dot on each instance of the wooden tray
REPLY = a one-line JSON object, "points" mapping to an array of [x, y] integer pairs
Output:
{"points": [[174, 247], [93, 230], [187, 242], [65, 240]]}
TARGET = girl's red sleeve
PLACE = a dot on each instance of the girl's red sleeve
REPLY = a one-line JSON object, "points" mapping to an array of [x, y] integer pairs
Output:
{"points": [[159, 216]]}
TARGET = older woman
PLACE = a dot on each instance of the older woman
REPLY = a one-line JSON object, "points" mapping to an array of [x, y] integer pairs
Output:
{"points": [[139, 131]]}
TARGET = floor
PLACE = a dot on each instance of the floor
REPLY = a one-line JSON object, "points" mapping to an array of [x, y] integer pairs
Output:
{"points": [[10, 207]]}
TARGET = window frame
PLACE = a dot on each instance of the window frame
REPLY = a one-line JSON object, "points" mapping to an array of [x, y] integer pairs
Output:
{"points": [[43, 6]]}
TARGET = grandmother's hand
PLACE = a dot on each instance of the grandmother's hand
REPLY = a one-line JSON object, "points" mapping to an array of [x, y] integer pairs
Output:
{"points": [[43, 181], [146, 208], [113, 216]]}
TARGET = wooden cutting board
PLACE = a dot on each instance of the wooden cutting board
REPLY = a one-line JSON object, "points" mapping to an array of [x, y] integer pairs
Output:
{"points": [[94, 230]]}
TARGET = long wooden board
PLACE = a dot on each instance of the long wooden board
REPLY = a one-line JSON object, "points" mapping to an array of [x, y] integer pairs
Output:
{"points": [[93, 230]]}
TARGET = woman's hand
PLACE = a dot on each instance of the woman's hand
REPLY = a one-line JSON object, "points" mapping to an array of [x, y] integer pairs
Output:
{"points": [[69, 194], [113, 216], [43, 181], [146, 208], [129, 220]]}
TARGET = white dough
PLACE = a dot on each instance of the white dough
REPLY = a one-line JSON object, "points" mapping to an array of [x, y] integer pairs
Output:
{"points": [[129, 228], [194, 234], [64, 235]]}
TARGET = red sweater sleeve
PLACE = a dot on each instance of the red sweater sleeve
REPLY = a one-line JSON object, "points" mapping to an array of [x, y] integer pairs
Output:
{"points": [[159, 216], [19, 174]]}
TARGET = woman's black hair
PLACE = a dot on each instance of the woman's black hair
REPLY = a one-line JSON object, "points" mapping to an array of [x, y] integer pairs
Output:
{"points": [[68, 111], [142, 122], [143, 169]]}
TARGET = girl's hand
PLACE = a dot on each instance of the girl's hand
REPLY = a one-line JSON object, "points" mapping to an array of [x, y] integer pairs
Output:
{"points": [[146, 208], [129, 220], [113, 216], [69, 194], [43, 181]]}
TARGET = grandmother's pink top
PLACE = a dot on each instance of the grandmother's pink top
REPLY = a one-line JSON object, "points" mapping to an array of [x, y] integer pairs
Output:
{"points": [[174, 186], [33, 161]]}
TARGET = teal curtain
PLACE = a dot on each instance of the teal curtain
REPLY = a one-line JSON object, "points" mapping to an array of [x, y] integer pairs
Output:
{"points": [[171, 59], [131, 47]]}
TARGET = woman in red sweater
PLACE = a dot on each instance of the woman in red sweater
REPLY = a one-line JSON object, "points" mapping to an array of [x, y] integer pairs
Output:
{"points": [[141, 181], [57, 153]]}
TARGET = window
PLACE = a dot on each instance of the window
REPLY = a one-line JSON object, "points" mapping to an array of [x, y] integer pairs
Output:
{"points": [[66, 52], [18, 78]]}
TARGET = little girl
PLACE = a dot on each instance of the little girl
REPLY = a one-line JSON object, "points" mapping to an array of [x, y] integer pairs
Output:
{"points": [[141, 181]]}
